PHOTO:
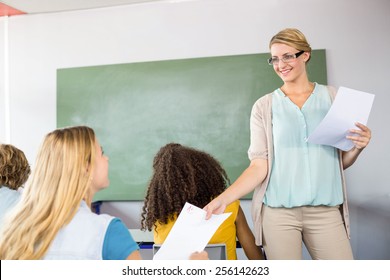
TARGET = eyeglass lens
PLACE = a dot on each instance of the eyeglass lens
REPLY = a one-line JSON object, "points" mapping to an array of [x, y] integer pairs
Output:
{"points": [[285, 58]]}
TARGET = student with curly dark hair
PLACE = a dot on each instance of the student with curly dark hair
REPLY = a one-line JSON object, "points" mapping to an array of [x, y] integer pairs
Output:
{"points": [[14, 172], [183, 174]]}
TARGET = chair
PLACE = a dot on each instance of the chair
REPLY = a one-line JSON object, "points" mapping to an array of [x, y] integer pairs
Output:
{"points": [[215, 251]]}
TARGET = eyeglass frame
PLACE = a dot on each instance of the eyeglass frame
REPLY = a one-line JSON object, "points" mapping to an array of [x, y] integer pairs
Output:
{"points": [[293, 56]]}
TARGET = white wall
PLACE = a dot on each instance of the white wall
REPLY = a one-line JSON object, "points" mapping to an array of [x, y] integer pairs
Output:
{"points": [[3, 65], [353, 32]]}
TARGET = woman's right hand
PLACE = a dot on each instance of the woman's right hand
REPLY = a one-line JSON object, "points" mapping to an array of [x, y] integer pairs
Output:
{"points": [[216, 206]]}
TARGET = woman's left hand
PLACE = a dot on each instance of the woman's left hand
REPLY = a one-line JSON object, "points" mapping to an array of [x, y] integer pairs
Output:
{"points": [[361, 137]]}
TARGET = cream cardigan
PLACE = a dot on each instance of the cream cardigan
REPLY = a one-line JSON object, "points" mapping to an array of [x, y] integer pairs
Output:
{"points": [[261, 122]]}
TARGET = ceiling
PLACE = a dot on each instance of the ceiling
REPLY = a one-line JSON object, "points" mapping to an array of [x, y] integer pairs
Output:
{"points": [[19, 7]]}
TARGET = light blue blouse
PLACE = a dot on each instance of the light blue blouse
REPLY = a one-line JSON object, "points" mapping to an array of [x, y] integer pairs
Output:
{"points": [[302, 173]]}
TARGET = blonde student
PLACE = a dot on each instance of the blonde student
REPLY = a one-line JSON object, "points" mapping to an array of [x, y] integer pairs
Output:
{"points": [[182, 174], [53, 219], [14, 172], [300, 190]]}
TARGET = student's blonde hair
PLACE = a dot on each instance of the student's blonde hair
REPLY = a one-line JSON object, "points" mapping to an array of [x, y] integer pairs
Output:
{"points": [[60, 180], [293, 38]]}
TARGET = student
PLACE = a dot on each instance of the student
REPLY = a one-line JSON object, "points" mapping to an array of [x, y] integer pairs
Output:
{"points": [[182, 174], [14, 172], [53, 220], [300, 192]]}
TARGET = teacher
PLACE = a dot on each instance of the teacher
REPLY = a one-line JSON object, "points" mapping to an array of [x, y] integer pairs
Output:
{"points": [[299, 187]]}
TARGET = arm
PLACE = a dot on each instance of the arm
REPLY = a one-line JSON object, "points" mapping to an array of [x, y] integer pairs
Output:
{"points": [[247, 182], [135, 255], [361, 138], [119, 243], [246, 238]]}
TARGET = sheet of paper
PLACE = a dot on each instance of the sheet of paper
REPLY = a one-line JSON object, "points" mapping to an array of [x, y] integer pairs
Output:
{"points": [[350, 106], [190, 233]]}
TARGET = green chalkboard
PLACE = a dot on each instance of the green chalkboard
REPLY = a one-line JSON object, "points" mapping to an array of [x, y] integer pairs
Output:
{"points": [[136, 108]]}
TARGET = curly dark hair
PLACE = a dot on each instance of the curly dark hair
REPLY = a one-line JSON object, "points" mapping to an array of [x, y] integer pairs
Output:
{"points": [[181, 174], [14, 167]]}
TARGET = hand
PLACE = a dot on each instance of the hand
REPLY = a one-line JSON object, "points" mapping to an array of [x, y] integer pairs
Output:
{"points": [[361, 137], [216, 206], [199, 256]]}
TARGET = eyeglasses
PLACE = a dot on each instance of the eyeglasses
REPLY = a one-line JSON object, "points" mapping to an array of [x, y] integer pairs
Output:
{"points": [[285, 58]]}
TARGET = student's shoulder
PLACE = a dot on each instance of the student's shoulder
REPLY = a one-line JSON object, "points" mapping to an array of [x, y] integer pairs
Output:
{"points": [[232, 207], [118, 242], [9, 194], [85, 215]]}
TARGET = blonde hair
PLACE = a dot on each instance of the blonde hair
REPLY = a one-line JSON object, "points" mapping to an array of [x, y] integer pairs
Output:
{"points": [[293, 38], [14, 167], [59, 182]]}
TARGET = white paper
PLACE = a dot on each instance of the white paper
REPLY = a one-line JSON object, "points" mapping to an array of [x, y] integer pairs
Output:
{"points": [[350, 106], [190, 233]]}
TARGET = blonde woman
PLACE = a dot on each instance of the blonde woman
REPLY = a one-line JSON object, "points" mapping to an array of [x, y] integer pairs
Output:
{"points": [[14, 172], [300, 191], [53, 220]]}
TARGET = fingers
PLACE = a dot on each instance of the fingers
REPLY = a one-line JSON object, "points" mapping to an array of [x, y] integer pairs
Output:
{"points": [[214, 207], [363, 127], [360, 137], [209, 211], [199, 256]]}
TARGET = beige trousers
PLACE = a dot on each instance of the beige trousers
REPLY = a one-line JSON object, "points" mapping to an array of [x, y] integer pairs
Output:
{"points": [[321, 228]]}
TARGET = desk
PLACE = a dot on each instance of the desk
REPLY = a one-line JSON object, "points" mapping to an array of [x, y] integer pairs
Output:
{"points": [[145, 242], [141, 236]]}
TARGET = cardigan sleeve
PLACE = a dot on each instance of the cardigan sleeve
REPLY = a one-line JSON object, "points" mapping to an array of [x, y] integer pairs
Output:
{"points": [[258, 139]]}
